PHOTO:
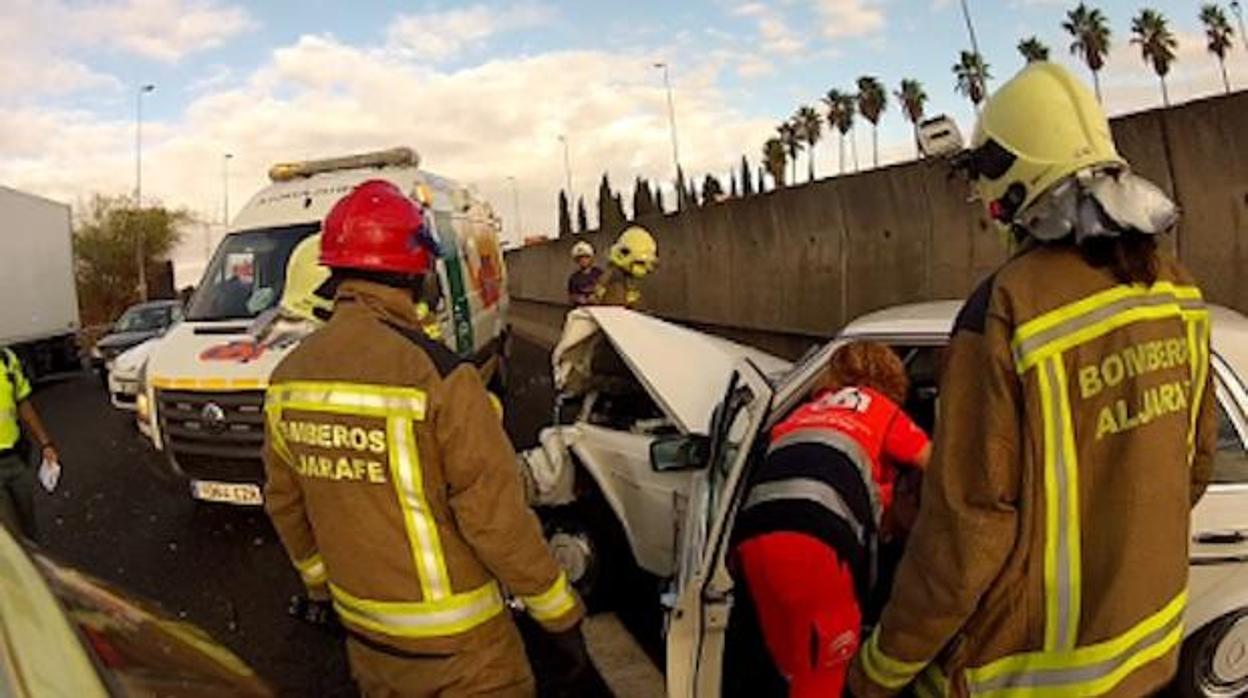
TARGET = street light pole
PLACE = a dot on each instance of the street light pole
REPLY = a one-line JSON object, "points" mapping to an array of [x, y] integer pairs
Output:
{"points": [[671, 115], [1239, 15], [515, 208], [970, 30], [140, 256], [567, 166]]}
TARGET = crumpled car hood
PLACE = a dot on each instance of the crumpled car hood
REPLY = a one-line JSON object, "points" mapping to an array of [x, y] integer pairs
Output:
{"points": [[685, 371]]}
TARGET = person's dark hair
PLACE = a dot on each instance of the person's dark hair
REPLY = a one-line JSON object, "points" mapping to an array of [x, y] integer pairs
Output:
{"points": [[1131, 257]]}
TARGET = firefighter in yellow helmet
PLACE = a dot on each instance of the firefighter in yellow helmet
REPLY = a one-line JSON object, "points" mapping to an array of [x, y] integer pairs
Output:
{"points": [[634, 255], [393, 486], [1050, 555]]}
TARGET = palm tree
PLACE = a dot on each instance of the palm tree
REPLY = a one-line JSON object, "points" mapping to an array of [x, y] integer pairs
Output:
{"points": [[810, 127], [1219, 32], [972, 72], [792, 141], [1157, 45], [913, 100], [1033, 50], [775, 159], [1090, 29], [841, 107], [872, 101]]}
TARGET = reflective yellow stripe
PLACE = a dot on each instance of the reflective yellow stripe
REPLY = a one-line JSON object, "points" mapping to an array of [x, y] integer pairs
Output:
{"points": [[312, 570], [931, 683], [1051, 509], [1084, 671], [1198, 337], [1070, 589], [350, 398], [273, 415], [1091, 317], [552, 603], [448, 616], [883, 669], [422, 530], [208, 384]]}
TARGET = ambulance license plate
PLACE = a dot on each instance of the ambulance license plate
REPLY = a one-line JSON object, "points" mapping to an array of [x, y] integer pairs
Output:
{"points": [[227, 492]]}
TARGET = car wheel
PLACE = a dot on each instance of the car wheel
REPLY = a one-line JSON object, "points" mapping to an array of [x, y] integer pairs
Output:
{"points": [[589, 549], [1214, 661]]}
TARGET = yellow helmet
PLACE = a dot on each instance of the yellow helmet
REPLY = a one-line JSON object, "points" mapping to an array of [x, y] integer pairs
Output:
{"points": [[304, 276], [635, 251], [1037, 130]]}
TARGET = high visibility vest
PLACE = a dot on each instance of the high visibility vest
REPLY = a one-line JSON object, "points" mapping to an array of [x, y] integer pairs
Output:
{"points": [[13, 389]]}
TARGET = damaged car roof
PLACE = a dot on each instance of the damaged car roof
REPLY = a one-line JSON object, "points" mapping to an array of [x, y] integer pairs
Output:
{"points": [[685, 371]]}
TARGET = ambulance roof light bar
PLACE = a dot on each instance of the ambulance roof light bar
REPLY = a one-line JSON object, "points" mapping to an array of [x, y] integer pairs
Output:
{"points": [[394, 157]]}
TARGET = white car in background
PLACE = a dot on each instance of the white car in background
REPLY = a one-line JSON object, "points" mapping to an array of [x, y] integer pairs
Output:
{"points": [[1215, 650], [124, 373], [611, 477]]}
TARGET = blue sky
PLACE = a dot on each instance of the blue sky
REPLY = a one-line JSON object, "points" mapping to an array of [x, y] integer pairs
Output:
{"points": [[483, 89]]}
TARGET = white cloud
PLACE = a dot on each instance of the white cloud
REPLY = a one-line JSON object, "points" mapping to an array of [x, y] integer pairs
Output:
{"points": [[754, 67], [849, 18], [164, 30], [320, 97], [775, 35], [437, 36], [31, 68]]}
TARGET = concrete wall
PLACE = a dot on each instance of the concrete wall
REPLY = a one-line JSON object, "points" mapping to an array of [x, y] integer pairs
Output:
{"points": [[789, 267]]}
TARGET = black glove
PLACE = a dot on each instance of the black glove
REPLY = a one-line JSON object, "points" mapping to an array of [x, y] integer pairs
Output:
{"points": [[314, 612], [573, 668]]}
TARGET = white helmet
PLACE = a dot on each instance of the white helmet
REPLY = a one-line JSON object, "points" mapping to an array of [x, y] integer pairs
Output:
{"points": [[582, 249]]}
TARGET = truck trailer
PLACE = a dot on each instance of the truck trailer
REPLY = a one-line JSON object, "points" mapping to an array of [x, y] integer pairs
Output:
{"points": [[39, 316]]}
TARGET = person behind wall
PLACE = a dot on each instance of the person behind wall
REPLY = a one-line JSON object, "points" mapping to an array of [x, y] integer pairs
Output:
{"points": [[1050, 556], [815, 512], [634, 255], [583, 281], [17, 474], [392, 484]]}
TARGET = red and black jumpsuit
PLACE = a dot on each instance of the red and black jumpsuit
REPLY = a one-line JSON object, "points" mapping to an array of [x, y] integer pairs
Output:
{"points": [[807, 529]]}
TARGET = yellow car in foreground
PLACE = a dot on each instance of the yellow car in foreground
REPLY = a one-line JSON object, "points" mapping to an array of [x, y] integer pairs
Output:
{"points": [[63, 633]]}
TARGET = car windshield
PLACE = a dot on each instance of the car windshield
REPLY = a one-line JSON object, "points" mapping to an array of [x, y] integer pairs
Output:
{"points": [[247, 274], [144, 318]]}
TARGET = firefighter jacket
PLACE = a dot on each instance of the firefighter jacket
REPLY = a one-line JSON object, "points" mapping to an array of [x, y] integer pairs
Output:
{"points": [[394, 487], [1050, 553], [616, 287]]}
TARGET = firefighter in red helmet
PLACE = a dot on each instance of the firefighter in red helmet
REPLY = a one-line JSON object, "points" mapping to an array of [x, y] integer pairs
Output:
{"points": [[392, 483]]}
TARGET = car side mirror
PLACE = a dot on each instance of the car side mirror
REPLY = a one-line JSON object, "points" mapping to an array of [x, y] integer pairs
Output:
{"points": [[679, 452]]}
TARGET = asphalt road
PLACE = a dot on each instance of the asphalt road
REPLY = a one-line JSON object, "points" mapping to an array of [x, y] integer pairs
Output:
{"points": [[220, 567]]}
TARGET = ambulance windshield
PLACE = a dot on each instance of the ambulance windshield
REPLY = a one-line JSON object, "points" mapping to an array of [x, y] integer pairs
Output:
{"points": [[247, 274]]}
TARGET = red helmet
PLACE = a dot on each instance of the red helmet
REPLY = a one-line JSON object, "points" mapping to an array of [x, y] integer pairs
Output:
{"points": [[377, 228]]}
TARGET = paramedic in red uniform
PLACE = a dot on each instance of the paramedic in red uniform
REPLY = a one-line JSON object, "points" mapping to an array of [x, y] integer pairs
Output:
{"points": [[815, 511]]}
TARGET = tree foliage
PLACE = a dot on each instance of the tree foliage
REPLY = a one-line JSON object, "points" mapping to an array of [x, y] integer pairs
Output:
{"points": [[1089, 28], [1158, 45], [105, 247], [747, 178], [1033, 50], [1220, 36], [972, 75], [582, 219], [565, 215]]}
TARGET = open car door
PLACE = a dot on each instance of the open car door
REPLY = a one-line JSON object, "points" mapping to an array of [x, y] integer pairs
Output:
{"points": [[703, 595]]}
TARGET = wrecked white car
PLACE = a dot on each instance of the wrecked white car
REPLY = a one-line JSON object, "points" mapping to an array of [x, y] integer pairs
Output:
{"points": [[611, 478]]}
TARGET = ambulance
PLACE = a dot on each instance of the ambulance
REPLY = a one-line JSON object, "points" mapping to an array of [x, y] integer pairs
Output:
{"points": [[202, 389]]}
